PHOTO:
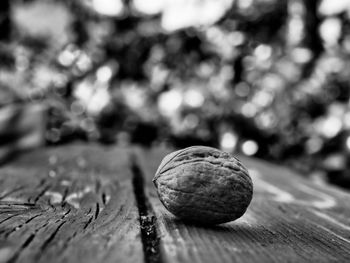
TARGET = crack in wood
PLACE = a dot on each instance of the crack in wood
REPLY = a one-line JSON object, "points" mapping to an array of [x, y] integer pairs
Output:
{"points": [[67, 242], [12, 192], [149, 235], [51, 237], [10, 204], [15, 207], [24, 245], [97, 211], [65, 194], [8, 218], [18, 227], [88, 223], [41, 194], [104, 200], [41, 182]]}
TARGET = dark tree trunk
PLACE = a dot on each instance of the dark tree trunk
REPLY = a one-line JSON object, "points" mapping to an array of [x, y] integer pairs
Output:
{"points": [[312, 38], [5, 20]]}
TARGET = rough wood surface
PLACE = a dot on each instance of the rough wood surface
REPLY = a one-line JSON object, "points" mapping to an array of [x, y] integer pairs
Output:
{"points": [[290, 219], [88, 204], [71, 204]]}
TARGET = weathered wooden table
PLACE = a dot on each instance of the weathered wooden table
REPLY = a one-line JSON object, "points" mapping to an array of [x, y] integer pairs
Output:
{"points": [[96, 204]]}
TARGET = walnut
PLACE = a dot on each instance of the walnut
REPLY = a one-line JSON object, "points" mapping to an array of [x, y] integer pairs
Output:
{"points": [[203, 185]]}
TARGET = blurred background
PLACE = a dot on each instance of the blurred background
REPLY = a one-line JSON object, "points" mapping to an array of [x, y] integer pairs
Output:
{"points": [[262, 78]]}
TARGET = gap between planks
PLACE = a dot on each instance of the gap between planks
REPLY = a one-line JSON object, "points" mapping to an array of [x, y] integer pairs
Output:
{"points": [[149, 233]]}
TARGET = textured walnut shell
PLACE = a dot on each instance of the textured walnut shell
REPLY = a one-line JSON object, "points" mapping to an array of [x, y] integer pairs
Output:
{"points": [[203, 185]]}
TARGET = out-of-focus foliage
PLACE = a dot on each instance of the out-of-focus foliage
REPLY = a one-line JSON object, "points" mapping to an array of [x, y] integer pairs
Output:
{"points": [[267, 78]]}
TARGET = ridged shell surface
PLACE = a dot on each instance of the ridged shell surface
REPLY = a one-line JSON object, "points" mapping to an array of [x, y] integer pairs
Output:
{"points": [[203, 185]]}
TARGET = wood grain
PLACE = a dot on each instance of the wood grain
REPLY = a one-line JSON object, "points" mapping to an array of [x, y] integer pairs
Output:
{"points": [[71, 204], [290, 219]]}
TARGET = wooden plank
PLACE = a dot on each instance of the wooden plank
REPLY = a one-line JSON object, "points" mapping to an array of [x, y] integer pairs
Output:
{"points": [[70, 204], [290, 219]]}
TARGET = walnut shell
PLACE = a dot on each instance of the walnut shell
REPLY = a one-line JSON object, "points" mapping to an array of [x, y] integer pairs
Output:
{"points": [[203, 185]]}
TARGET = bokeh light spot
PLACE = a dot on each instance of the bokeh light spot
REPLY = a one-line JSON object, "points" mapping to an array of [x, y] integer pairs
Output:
{"points": [[250, 147], [228, 141], [169, 102], [149, 7], [330, 30], [104, 73], [329, 127], [263, 52], [108, 7], [194, 98]]}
